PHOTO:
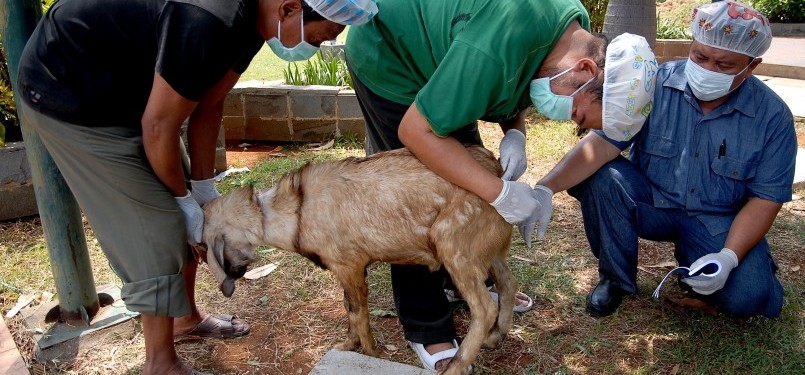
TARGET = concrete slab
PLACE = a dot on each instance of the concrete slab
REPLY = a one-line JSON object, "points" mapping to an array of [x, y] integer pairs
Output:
{"points": [[11, 362], [336, 362]]}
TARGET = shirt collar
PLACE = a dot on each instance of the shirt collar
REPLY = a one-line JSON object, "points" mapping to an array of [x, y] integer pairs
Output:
{"points": [[741, 99]]}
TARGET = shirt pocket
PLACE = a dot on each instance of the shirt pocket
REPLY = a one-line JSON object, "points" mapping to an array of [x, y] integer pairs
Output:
{"points": [[658, 159], [730, 178]]}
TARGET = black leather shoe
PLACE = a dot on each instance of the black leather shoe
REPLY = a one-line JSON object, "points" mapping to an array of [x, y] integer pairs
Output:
{"points": [[604, 299]]}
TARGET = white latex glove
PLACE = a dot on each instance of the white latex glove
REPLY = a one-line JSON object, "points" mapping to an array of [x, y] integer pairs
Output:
{"points": [[728, 261], [203, 191], [193, 217], [512, 155], [544, 196], [517, 205]]}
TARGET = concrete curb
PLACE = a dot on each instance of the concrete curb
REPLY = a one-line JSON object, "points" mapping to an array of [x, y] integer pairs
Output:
{"points": [[336, 362]]}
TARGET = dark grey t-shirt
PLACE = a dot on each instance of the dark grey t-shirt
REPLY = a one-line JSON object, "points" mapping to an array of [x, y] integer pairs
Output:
{"points": [[92, 62]]}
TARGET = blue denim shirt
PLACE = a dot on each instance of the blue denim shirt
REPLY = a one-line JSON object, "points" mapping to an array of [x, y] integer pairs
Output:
{"points": [[709, 165]]}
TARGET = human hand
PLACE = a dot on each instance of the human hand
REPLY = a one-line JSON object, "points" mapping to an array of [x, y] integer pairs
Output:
{"points": [[512, 155], [203, 191], [517, 205], [193, 217], [728, 261]]}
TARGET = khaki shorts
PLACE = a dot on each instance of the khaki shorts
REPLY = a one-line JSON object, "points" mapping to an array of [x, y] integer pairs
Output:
{"points": [[133, 215]]}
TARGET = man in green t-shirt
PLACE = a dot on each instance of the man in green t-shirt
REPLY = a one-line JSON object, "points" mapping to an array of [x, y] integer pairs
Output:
{"points": [[426, 70]]}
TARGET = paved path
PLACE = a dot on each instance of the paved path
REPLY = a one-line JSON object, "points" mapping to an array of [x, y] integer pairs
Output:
{"points": [[786, 51]]}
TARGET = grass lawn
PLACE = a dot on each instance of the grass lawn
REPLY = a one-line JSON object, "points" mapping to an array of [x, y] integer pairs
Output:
{"points": [[297, 313]]}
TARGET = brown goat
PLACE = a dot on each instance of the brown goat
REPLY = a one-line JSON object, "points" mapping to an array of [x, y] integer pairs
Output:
{"points": [[345, 215]]}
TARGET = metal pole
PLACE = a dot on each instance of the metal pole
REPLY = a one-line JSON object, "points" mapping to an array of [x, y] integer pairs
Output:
{"points": [[58, 209]]}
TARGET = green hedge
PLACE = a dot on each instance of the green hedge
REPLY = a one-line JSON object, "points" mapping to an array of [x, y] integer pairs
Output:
{"points": [[783, 11]]}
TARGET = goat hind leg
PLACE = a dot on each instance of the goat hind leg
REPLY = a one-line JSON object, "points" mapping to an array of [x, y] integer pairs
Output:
{"points": [[506, 286], [482, 318]]}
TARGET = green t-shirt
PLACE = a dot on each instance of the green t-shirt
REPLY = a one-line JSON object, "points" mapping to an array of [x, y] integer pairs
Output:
{"points": [[460, 61]]}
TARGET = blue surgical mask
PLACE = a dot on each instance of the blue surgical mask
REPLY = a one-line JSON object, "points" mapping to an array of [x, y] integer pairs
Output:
{"points": [[299, 52], [707, 85], [553, 106]]}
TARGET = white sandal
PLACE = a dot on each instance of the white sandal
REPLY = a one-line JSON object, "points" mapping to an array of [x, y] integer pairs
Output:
{"points": [[428, 360], [452, 296], [517, 308]]}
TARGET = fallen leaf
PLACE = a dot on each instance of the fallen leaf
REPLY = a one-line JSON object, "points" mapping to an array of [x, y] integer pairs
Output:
{"points": [[675, 370], [529, 261], [22, 301], [382, 313], [324, 146], [664, 265], [390, 347], [260, 271], [795, 269]]}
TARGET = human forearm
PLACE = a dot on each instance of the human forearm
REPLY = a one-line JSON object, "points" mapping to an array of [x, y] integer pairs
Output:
{"points": [[204, 125], [750, 225], [516, 122], [161, 122], [584, 159], [447, 157]]}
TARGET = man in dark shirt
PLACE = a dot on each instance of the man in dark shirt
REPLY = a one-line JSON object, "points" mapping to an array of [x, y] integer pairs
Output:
{"points": [[107, 85]]}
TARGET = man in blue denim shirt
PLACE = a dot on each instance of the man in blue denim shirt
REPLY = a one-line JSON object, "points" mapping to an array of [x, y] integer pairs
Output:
{"points": [[709, 172]]}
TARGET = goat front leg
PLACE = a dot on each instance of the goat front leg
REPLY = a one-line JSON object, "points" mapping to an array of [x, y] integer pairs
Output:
{"points": [[356, 295]]}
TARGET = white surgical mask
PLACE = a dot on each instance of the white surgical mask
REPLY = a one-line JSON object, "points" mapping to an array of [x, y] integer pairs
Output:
{"points": [[299, 52], [553, 106], [708, 85]]}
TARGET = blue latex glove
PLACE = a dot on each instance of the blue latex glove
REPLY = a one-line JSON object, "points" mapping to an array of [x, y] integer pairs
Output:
{"points": [[512, 155], [517, 205], [203, 191], [728, 261], [193, 216]]}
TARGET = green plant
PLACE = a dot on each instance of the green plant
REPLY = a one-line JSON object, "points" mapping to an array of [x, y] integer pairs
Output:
{"points": [[597, 9], [668, 28], [786, 11], [8, 111], [321, 70]]}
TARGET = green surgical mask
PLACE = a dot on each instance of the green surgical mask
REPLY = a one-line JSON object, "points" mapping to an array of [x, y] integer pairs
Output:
{"points": [[553, 106], [299, 52]]}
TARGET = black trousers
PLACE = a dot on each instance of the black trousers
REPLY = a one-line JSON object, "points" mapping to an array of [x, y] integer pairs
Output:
{"points": [[418, 293]]}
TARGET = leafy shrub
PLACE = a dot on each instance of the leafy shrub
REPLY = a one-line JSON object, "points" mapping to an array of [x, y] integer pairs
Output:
{"points": [[327, 71], [668, 28], [8, 111], [784, 11], [597, 9]]}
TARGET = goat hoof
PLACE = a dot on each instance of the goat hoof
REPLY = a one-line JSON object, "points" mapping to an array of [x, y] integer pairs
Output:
{"points": [[347, 346], [492, 341]]}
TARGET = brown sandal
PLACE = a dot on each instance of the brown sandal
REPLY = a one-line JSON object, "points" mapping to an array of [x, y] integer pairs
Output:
{"points": [[218, 326]]}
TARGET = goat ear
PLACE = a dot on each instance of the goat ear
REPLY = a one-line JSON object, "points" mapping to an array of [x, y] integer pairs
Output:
{"points": [[213, 263]]}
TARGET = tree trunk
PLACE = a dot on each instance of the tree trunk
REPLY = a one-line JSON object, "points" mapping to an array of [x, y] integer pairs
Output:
{"points": [[631, 16]]}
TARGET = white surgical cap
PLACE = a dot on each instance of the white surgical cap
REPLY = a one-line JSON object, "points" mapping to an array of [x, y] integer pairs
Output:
{"points": [[345, 12], [629, 75], [731, 26]]}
